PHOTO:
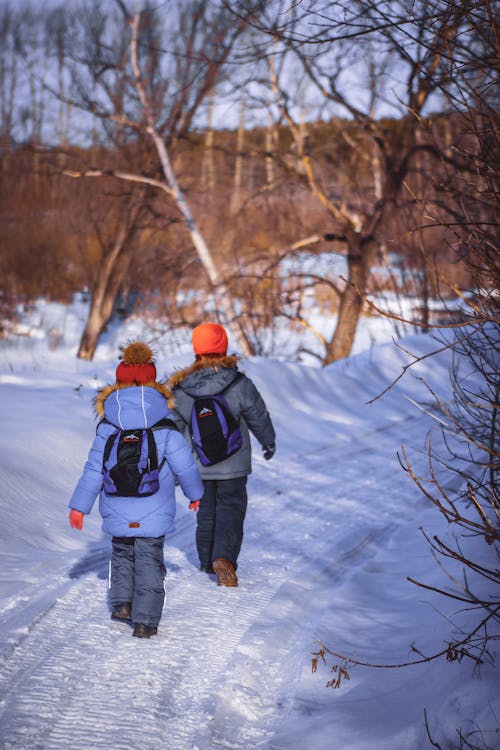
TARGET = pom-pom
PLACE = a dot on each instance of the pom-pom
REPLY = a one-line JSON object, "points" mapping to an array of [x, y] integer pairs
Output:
{"points": [[137, 353]]}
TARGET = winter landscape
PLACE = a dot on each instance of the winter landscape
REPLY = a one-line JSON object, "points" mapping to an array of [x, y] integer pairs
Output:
{"points": [[331, 534], [322, 179]]}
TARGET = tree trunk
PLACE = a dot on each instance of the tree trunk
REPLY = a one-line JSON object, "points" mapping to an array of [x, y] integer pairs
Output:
{"points": [[271, 148], [108, 283], [101, 308], [351, 303], [238, 167], [208, 165], [204, 253], [93, 328]]}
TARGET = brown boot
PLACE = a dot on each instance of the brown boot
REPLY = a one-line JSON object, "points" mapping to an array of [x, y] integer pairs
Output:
{"points": [[144, 631], [122, 613], [225, 572]]}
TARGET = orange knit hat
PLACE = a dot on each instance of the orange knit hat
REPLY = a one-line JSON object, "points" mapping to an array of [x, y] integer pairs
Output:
{"points": [[137, 366], [209, 338]]}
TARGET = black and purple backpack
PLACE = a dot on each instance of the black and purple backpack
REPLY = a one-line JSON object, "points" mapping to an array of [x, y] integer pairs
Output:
{"points": [[215, 432], [130, 461]]}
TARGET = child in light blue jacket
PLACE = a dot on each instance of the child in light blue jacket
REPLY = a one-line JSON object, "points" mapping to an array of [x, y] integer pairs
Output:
{"points": [[138, 525]]}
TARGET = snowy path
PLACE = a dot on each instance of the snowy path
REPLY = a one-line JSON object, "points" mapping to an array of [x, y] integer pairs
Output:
{"points": [[332, 531], [223, 670]]}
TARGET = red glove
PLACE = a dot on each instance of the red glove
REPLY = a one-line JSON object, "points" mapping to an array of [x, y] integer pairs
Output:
{"points": [[76, 519], [194, 505]]}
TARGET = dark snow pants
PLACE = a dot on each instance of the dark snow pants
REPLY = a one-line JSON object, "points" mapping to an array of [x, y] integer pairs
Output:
{"points": [[220, 518], [137, 575]]}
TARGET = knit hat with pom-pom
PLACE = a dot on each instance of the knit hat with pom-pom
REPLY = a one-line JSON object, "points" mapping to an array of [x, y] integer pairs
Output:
{"points": [[137, 366]]}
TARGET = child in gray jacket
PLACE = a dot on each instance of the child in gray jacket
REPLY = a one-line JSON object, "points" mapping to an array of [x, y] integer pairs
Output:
{"points": [[220, 519]]}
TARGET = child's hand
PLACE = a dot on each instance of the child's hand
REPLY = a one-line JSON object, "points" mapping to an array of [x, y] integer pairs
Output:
{"points": [[194, 505], [76, 519]]}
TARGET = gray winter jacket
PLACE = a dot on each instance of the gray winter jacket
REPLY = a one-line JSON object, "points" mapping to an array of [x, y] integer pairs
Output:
{"points": [[207, 377]]}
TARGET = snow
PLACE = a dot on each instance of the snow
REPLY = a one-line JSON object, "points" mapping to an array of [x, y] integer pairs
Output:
{"points": [[331, 533]]}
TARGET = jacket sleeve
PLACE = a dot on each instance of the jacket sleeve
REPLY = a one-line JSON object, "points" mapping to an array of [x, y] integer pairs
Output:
{"points": [[255, 414], [90, 483], [182, 465]]}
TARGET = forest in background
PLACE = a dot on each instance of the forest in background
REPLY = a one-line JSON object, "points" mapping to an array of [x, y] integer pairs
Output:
{"points": [[175, 216], [54, 230]]}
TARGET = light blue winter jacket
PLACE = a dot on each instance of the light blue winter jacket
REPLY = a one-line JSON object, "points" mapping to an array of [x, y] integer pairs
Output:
{"points": [[136, 407]]}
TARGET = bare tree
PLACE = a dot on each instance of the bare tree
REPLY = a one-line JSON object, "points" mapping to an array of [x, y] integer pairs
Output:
{"points": [[359, 59], [163, 73], [462, 478], [117, 252]]}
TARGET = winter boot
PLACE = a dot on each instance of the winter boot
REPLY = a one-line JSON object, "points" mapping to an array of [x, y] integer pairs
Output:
{"points": [[225, 572], [122, 613], [144, 631]]}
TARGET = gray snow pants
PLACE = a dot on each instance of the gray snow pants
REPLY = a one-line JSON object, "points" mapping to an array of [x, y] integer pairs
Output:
{"points": [[137, 575]]}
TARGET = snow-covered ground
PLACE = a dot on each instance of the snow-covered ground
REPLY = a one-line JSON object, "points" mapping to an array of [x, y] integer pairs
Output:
{"points": [[332, 531]]}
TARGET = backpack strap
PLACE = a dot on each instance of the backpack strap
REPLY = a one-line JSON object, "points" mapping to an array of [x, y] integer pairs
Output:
{"points": [[165, 424], [109, 444], [238, 376], [105, 421], [152, 450]]}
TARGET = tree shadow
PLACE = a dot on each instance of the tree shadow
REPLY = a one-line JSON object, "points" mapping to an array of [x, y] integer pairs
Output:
{"points": [[95, 560]]}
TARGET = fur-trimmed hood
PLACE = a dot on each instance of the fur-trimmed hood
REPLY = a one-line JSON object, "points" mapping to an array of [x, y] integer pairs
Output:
{"points": [[130, 394], [212, 364]]}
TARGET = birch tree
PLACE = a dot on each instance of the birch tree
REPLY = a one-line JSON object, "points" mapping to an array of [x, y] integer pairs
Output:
{"points": [[166, 71]]}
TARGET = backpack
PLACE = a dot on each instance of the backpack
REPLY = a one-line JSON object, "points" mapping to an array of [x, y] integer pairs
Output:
{"points": [[130, 461], [215, 432]]}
